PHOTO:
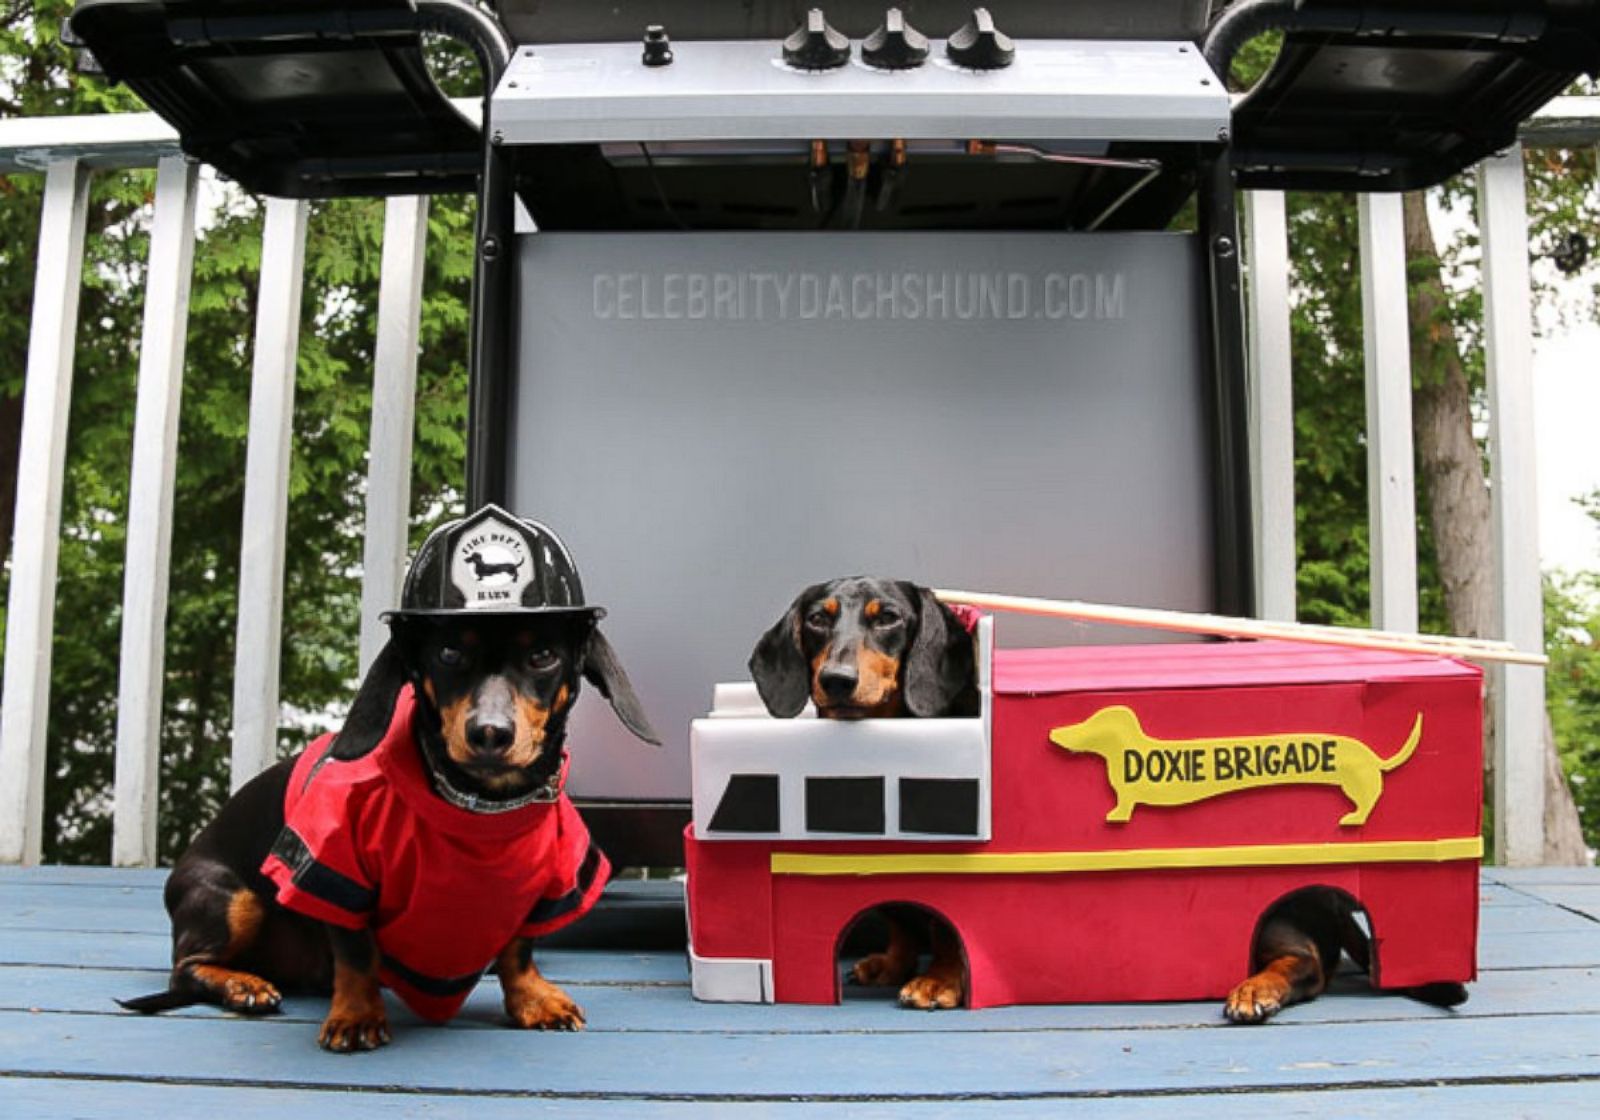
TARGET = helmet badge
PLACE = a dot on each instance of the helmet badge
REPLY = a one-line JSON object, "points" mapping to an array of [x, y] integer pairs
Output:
{"points": [[490, 565]]}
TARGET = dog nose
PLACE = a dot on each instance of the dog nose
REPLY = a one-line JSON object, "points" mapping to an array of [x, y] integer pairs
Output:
{"points": [[838, 684], [490, 735]]}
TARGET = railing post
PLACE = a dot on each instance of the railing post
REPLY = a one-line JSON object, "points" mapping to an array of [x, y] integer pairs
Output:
{"points": [[394, 387], [1517, 690], [1271, 401], [266, 490], [150, 497], [1391, 486], [36, 541]]}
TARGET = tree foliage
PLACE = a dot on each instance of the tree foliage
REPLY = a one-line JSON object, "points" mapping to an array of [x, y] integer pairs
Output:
{"points": [[332, 406], [1332, 538], [1572, 640], [327, 471]]}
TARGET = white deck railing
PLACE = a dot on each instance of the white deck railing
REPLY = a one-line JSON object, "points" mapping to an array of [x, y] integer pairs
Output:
{"points": [[68, 150]]}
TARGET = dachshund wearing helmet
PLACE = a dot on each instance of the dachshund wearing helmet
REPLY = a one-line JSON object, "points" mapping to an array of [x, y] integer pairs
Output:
{"points": [[426, 839]]}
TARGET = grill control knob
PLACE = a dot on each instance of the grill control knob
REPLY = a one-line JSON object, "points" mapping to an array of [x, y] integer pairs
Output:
{"points": [[896, 45], [816, 46], [979, 45], [657, 47]]}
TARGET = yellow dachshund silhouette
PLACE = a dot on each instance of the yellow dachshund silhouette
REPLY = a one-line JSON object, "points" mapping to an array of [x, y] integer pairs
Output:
{"points": [[1148, 771]]}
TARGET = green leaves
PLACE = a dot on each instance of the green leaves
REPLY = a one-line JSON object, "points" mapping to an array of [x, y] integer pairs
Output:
{"points": [[1572, 682], [1332, 578], [327, 479], [332, 416], [328, 456]]}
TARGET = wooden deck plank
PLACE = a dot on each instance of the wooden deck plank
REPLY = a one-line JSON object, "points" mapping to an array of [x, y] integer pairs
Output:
{"points": [[138, 909], [1576, 910], [1501, 921], [137, 906], [662, 1006], [95, 911], [1540, 876], [1566, 949], [141, 911], [127, 928], [152, 952], [145, 896], [1583, 899], [1516, 948], [12, 875], [1492, 896], [56, 1098], [776, 1066], [1528, 1040], [85, 950]]}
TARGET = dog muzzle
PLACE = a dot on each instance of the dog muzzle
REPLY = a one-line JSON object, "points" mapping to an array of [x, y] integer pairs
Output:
{"points": [[544, 793]]}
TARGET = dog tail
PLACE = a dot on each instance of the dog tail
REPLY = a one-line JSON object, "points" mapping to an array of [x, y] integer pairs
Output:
{"points": [[169, 1000], [1404, 752]]}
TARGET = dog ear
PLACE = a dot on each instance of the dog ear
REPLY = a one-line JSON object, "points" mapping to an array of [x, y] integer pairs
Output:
{"points": [[940, 667], [778, 664], [602, 668], [373, 708]]}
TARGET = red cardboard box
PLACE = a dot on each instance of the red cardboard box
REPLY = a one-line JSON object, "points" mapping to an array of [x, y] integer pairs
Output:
{"points": [[1112, 827]]}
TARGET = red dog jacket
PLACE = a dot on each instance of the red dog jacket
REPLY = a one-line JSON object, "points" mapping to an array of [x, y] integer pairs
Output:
{"points": [[368, 844]]}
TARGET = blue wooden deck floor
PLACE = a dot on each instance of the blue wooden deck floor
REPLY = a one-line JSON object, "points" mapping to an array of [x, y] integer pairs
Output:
{"points": [[1526, 1043]]}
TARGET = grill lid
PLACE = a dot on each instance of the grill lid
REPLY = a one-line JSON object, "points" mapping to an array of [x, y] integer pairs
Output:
{"points": [[294, 98], [1396, 96]]}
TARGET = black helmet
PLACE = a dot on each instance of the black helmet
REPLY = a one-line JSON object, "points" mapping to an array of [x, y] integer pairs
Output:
{"points": [[495, 563]]}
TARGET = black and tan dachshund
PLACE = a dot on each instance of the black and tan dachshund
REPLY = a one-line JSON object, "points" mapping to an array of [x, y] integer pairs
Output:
{"points": [[864, 647], [1297, 950], [492, 697], [861, 648]]}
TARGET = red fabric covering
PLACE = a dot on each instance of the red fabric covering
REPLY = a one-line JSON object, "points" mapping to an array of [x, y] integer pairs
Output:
{"points": [[1158, 933], [1033, 672], [368, 844], [967, 616]]}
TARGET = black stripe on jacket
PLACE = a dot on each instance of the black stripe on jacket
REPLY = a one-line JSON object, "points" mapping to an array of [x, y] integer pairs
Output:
{"points": [[318, 879], [442, 986], [549, 909]]}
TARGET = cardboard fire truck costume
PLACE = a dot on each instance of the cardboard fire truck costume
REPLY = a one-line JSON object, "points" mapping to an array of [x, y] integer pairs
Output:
{"points": [[1112, 826]]}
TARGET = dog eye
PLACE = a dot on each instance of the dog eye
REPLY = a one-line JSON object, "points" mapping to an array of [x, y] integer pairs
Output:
{"points": [[886, 619], [819, 619], [449, 655], [544, 662]]}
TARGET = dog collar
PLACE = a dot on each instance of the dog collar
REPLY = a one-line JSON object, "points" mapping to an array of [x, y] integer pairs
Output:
{"points": [[544, 793], [547, 791]]}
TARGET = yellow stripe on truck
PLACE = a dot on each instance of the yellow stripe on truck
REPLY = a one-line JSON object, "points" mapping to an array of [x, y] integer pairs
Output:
{"points": [[1129, 859]]}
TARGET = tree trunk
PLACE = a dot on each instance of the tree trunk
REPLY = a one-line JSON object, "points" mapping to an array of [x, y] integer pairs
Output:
{"points": [[1457, 494], [1564, 845]]}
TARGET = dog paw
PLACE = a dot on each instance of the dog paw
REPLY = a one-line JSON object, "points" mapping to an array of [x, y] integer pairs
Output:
{"points": [[250, 995], [879, 970], [1256, 1000], [346, 1034], [545, 1009], [931, 993]]}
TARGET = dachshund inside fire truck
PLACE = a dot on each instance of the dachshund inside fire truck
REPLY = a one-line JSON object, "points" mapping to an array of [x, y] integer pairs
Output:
{"points": [[859, 648]]}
